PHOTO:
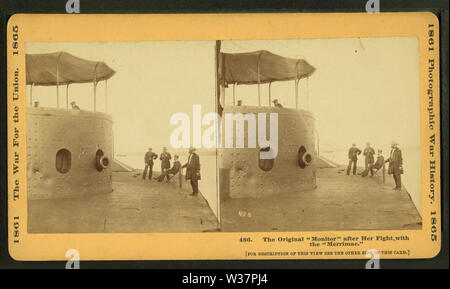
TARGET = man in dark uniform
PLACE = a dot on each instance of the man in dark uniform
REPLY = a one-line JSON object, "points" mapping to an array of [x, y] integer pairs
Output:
{"points": [[378, 165], [396, 165], [165, 158], [276, 103], [353, 153], [193, 170], [148, 160], [74, 105], [369, 152]]}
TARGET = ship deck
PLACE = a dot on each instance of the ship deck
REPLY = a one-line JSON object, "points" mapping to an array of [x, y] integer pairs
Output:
{"points": [[339, 202], [134, 206]]}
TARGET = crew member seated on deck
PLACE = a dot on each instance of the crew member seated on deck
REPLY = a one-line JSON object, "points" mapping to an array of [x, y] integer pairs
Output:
{"points": [[376, 166], [172, 171], [276, 103]]}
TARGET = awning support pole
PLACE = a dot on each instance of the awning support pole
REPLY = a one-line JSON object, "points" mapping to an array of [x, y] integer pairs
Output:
{"points": [[95, 87], [307, 93], [57, 96], [57, 86], [270, 94], [234, 96], [318, 143], [106, 95], [223, 94], [95, 96], [296, 86], [67, 96], [57, 81], [259, 82], [31, 95]]}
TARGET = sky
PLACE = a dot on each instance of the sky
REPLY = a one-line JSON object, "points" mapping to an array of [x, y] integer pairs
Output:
{"points": [[362, 90], [153, 80]]}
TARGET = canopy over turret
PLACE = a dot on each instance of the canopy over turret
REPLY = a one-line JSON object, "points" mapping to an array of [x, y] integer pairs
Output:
{"points": [[260, 67], [60, 68]]}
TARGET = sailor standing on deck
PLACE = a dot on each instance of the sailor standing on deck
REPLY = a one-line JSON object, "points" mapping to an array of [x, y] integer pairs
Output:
{"points": [[148, 160], [193, 170], [165, 158], [353, 153], [396, 165], [74, 105], [276, 103], [369, 152]]}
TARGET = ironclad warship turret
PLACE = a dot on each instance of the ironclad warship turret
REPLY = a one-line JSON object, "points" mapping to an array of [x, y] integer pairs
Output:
{"points": [[69, 150], [242, 171]]}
